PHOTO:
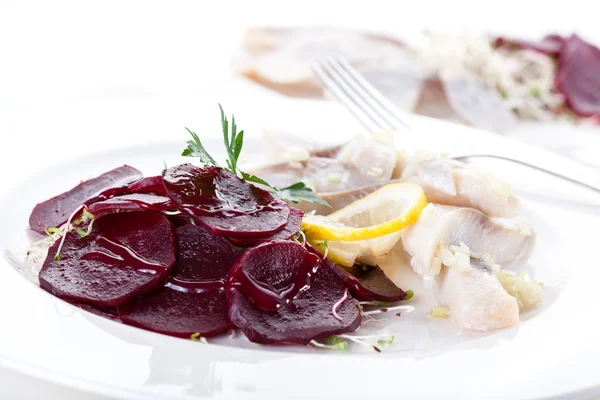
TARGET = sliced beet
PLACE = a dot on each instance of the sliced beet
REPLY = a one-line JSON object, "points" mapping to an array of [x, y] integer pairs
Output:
{"points": [[577, 77], [225, 204], [290, 229], [201, 256], [308, 296], [263, 273], [55, 211], [131, 202], [179, 219], [150, 184], [368, 283], [180, 309], [193, 299], [550, 45], [125, 255]]}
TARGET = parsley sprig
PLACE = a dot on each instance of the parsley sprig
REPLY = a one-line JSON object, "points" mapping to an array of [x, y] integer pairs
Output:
{"points": [[234, 141]]}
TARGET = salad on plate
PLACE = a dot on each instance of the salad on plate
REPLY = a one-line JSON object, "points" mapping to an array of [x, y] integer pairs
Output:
{"points": [[304, 250]]}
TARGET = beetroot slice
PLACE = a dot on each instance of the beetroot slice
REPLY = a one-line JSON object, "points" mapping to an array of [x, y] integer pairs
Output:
{"points": [[578, 78], [274, 267], [125, 255], [550, 45], [131, 202], [180, 309], [370, 284], [201, 256], [150, 184], [366, 284], [179, 219], [260, 273], [225, 204], [193, 300], [55, 211], [290, 229]]}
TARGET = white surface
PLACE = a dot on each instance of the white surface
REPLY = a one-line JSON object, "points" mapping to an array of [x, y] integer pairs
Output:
{"points": [[552, 352]]}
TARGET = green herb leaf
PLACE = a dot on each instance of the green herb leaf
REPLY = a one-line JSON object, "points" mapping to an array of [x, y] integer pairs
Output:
{"points": [[195, 336], [299, 192], [409, 295], [234, 142], [51, 231], [325, 243], [195, 149], [87, 214], [82, 233], [255, 179], [386, 341], [331, 343]]}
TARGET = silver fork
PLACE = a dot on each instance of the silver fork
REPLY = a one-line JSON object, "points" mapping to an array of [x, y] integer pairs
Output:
{"points": [[374, 111]]}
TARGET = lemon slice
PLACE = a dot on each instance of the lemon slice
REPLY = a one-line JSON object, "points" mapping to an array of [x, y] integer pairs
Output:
{"points": [[383, 212], [349, 253]]}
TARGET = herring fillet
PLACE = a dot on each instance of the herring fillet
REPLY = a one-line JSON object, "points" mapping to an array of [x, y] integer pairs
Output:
{"points": [[508, 244], [454, 183], [476, 298]]}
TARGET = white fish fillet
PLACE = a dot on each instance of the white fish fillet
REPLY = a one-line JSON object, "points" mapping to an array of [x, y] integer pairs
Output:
{"points": [[475, 102], [508, 242], [280, 58], [454, 183], [476, 299], [370, 158]]}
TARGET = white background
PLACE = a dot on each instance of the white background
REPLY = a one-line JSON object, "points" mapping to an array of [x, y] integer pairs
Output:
{"points": [[57, 53]]}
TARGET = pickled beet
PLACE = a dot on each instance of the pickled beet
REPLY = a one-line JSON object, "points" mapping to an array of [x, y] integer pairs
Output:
{"points": [[201, 256], [304, 298], [290, 229], [55, 211], [124, 256], [577, 77], [224, 203], [193, 299], [131, 202], [368, 283], [180, 309]]}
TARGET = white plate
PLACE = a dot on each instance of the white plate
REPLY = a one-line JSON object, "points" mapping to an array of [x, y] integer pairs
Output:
{"points": [[553, 352]]}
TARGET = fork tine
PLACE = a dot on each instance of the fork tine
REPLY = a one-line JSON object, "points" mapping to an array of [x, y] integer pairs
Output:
{"points": [[385, 104], [364, 98], [364, 119], [329, 67]]}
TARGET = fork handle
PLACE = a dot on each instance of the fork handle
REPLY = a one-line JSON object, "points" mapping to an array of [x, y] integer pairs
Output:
{"points": [[551, 164]]}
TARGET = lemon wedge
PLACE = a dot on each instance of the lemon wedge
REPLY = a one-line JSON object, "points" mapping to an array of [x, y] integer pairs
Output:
{"points": [[383, 212], [349, 253]]}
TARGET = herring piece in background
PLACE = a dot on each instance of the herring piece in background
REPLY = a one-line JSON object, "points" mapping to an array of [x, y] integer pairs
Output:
{"points": [[287, 146], [454, 183], [352, 171], [280, 59], [373, 156], [476, 103], [507, 241], [476, 298]]}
